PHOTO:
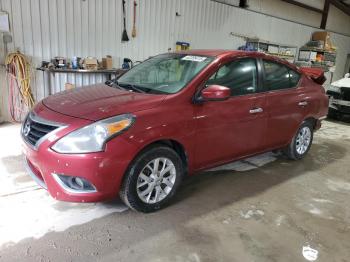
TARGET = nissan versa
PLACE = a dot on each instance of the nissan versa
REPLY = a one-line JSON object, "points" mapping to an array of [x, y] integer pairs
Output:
{"points": [[171, 116]]}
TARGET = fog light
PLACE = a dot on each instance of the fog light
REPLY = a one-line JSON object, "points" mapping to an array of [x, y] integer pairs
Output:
{"points": [[74, 184], [79, 182]]}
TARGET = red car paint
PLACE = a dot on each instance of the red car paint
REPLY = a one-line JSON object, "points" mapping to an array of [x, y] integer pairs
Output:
{"points": [[315, 74], [211, 133]]}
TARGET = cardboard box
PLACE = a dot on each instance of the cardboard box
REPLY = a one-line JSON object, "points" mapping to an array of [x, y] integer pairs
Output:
{"points": [[68, 86], [323, 36], [107, 62], [91, 63]]}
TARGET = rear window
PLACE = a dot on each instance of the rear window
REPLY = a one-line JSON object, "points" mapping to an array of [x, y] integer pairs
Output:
{"points": [[278, 76]]}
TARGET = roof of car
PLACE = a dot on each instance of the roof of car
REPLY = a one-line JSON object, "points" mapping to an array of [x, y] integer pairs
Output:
{"points": [[226, 52], [210, 52], [231, 53]]}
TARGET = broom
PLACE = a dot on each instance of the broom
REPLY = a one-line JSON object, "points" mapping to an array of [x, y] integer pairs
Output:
{"points": [[125, 37], [133, 33]]}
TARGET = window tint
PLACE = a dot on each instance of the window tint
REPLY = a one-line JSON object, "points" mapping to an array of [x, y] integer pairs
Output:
{"points": [[240, 76], [278, 76], [167, 73], [294, 78]]}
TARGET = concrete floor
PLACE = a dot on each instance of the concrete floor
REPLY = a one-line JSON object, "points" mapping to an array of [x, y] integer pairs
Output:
{"points": [[265, 208]]}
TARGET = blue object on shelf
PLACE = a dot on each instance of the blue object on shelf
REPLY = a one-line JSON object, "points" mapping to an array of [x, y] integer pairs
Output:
{"points": [[247, 47], [75, 62], [127, 63]]}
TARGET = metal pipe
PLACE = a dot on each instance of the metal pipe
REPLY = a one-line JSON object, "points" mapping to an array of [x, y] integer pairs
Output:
{"points": [[311, 8]]}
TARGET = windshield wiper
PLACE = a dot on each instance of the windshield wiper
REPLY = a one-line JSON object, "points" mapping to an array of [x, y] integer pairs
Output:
{"points": [[114, 83], [132, 87], [109, 83]]}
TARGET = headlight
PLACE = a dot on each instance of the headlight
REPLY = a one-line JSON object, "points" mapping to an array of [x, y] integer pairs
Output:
{"points": [[334, 89], [92, 138]]}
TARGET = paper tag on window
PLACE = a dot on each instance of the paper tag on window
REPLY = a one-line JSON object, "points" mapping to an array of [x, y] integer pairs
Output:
{"points": [[309, 253], [194, 58]]}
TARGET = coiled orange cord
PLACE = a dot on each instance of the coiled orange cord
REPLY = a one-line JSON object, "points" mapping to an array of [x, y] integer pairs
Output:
{"points": [[19, 77]]}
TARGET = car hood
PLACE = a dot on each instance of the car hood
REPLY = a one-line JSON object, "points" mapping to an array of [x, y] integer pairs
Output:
{"points": [[344, 82], [100, 101]]}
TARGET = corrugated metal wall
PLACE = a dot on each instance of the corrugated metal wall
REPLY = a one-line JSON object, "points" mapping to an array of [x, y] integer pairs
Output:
{"points": [[43, 29]]}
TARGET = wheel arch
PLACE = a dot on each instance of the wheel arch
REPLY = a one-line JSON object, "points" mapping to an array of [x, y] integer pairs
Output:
{"points": [[178, 147], [311, 120]]}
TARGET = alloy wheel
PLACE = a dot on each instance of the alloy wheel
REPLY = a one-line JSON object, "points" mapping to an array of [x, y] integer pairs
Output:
{"points": [[156, 180], [303, 140]]}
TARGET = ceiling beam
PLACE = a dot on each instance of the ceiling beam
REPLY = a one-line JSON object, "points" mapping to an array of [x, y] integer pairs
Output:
{"points": [[325, 14], [340, 5], [311, 8]]}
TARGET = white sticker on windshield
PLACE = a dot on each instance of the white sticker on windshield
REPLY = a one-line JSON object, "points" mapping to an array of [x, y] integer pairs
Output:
{"points": [[194, 58], [309, 253]]}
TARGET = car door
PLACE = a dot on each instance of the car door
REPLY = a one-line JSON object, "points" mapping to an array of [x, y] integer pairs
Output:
{"points": [[226, 130], [286, 102]]}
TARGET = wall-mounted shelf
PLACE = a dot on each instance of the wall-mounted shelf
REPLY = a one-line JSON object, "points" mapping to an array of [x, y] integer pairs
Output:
{"points": [[316, 57], [53, 71], [283, 51], [78, 71]]}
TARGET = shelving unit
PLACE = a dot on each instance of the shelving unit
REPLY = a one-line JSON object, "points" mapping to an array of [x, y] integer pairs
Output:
{"points": [[52, 72], [283, 51], [308, 56]]}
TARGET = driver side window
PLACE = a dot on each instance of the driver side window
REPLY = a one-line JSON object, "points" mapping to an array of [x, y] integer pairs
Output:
{"points": [[239, 75]]}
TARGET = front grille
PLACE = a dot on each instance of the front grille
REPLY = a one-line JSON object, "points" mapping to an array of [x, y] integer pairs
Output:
{"points": [[333, 94], [344, 109], [33, 129], [345, 93]]}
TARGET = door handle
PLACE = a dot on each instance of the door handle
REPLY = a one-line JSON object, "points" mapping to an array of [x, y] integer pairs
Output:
{"points": [[303, 103], [256, 110]]}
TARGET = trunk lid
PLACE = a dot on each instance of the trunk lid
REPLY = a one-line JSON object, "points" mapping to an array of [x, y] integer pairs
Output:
{"points": [[316, 74]]}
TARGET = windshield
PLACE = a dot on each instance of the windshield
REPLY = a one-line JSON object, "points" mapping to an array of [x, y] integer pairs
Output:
{"points": [[165, 74]]}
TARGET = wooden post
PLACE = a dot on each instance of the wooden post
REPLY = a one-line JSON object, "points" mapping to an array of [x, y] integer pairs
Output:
{"points": [[325, 14]]}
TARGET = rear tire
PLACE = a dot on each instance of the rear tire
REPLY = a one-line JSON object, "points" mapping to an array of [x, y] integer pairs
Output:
{"points": [[301, 142], [152, 179]]}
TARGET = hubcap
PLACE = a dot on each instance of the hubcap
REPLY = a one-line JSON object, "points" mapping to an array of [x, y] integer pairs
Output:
{"points": [[156, 180], [303, 140]]}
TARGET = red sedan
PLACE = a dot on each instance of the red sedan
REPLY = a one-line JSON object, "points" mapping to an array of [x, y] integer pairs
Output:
{"points": [[170, 116]]}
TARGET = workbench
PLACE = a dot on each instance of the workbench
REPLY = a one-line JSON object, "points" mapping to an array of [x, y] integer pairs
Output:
{"points": [[53, 71]]}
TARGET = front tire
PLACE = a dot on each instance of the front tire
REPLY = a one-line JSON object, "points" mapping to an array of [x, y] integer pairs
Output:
{"points": [[152, 179], [301, 142]]}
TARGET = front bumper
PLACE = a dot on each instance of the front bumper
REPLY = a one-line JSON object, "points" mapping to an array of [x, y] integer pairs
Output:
{"points": [[341, 106], [104, 170], [34, 174]]}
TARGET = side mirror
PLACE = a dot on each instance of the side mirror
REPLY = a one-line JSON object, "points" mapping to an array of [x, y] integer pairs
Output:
{"points": [[347, 75], [215, 93]]}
